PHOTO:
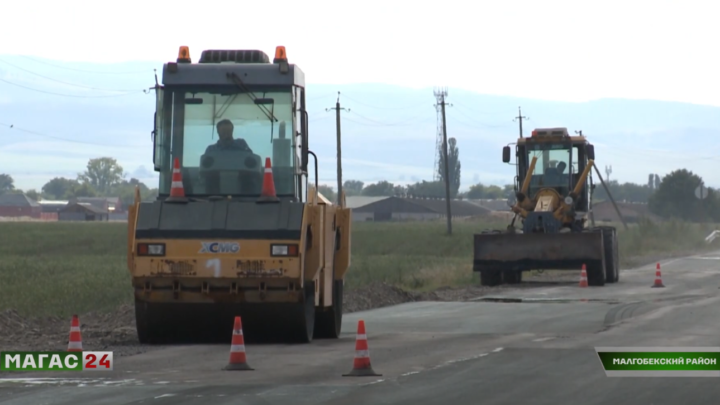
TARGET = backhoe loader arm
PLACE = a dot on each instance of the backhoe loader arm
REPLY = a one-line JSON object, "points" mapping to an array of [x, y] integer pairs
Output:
{"points": [[524, 203], [528, 176], [581, 181]]}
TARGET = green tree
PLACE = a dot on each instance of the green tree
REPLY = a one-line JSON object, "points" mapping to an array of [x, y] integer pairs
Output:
{"points": [[125, 190], [328, 192], [80, 190], [353, 187], [32, 193], [102, 174], [480, 191], [7, 184], [675, 198], [379, 189], [428, 189], [453, 166], [58, 187], [630, 192], [151, 195], [508, 190]]}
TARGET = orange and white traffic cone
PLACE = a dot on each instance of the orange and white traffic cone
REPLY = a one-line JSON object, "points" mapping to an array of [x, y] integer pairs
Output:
{"points": [[583, 277], [361, 365], [75, 341], [658, 278], [268, 187], [237, 349], [177, 190]]}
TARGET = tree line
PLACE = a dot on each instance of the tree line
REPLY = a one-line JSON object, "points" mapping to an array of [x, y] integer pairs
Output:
{"points": [[103, 177], [673, 195]]}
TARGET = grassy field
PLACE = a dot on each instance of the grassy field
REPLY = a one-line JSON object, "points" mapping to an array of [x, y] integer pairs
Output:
{"points": [[61, 268]]}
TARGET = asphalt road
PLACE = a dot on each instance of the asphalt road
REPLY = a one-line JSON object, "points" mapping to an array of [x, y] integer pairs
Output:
{"points": [[538, 351]]}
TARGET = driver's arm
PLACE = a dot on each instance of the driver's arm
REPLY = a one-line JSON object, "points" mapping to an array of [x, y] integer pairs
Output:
{"points": [[242, 144]]}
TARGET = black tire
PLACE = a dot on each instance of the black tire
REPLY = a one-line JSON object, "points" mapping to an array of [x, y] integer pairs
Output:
{"points": [[596, 275], [490, 278], [141, 322], [612, 256], [512, 276], [612, 262], [328, 323], [304, 328]]}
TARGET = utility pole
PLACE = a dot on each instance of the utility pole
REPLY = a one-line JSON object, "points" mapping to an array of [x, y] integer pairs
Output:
{"points": [[440, 95], [520, 119], [608, 172], [339, 147]]}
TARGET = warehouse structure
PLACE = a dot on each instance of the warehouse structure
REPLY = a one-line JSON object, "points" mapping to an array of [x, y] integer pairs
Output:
{"points": [[19, 205], [414, 209], [77, 211]]}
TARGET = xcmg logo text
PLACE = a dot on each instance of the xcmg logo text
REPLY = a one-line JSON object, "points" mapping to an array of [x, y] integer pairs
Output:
{"points": [[220, 247]]}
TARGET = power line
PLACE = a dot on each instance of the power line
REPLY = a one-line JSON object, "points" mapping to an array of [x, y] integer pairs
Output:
{"points": [[407, 107], [69, 95], [473, 110], [475, 122], [318, 97], [60, 81], [13, 127], [84, 71], [399, 123], [378, 125]]}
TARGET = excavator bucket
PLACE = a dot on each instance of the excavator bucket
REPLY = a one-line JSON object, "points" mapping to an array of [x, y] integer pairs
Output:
{"points": [[537, 251]]}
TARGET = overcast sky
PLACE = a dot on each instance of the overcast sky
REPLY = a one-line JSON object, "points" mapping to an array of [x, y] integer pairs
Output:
{"points": [[551, 49]]}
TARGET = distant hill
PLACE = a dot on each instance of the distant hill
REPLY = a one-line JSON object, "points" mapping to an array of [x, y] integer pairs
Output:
{"points": [[389, 134]]}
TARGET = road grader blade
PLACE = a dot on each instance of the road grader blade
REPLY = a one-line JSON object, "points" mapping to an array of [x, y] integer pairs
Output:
{"points": [[498, 255]]}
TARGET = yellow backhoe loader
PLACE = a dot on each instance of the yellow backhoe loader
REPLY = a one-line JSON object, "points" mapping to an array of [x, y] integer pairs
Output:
{"points": [[553, 199]]}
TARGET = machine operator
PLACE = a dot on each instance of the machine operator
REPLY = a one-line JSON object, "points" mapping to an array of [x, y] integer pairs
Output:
{"points": [[226, 142]]}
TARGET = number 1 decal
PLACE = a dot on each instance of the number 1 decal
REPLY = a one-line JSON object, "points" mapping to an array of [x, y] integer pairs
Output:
{"points": [[215, 264]]}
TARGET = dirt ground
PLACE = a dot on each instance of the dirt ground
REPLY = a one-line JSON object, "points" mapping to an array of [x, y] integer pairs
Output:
{"points": [[115, 330]]}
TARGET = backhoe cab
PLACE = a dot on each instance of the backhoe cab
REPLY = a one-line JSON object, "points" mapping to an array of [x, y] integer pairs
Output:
{"points": [[553, 192]]}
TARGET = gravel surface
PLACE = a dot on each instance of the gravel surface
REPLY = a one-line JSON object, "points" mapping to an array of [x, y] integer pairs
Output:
{"points": [[100, 331], [116, 330]]}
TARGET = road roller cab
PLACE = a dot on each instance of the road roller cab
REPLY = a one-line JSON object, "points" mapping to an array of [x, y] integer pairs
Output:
{"points": [[237, 228]]}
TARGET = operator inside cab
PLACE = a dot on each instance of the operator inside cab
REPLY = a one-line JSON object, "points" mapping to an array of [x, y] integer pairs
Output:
{"points": [[229, 166], [226, 142], [554, 176]]}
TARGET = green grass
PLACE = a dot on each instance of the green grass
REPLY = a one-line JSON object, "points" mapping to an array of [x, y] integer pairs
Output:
{"points": [[60, 268], [64, 268]]}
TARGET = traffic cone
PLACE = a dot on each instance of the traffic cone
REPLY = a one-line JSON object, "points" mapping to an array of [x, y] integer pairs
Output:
{"points": [[361, 365], [583, 277], [658, 278], [75, 341], [268, 188], [177, 190], [237, 349]]}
